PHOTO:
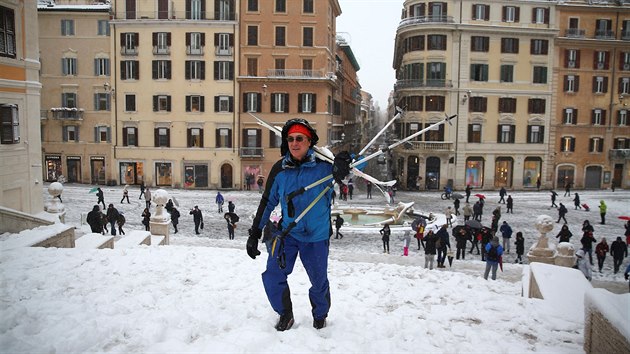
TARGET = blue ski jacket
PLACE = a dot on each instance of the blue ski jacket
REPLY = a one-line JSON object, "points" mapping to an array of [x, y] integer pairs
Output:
{"points": [[287, 176]]}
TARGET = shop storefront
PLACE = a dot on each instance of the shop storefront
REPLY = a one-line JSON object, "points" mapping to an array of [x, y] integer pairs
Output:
{"points": [[474, 172], [53, 167], [433, 173], [74, 169], [250, 175], [531, 171], [97, 169], [566, 173], [503, 169], [131, 172], [195, 175], [163, 174]]}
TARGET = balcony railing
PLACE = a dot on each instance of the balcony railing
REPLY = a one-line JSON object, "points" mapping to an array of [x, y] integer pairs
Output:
{"points": [[625, 36], [619, 154], [296, 73], [425, 19], [129, 51], [67, 113], [575, 33], [252, 152], [402, 84], [223, 51], [176, 15], [194, 51], [161, 50], [429, 145], [604, 34]]}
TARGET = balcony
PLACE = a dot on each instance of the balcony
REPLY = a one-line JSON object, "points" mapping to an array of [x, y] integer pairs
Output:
{"points": [[619, 154], [575, 33], [625, 35], [159, 50], [404, 84], [252, 152], [175, 15], [418, 20], [129, 51], [218, 51], [428, 146], [190, 50], [67, 113], [296, 74], [604, 34]]}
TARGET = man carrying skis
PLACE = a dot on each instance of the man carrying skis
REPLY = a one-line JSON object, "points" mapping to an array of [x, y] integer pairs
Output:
{"points": [[309, 237]]}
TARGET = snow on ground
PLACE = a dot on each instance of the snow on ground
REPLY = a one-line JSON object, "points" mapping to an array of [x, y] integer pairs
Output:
{"points": [[204, 294]]}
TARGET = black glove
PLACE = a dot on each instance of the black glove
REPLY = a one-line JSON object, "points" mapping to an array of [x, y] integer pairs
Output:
{"points": [[341, 166], [626, 276], [252, 242]]}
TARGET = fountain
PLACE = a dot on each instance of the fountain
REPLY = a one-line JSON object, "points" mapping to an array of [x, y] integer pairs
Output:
{"points": [[398, 218]]}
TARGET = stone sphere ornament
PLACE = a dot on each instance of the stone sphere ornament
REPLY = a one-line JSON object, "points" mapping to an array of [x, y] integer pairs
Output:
{"points": [[160, 197], [55, 189]]}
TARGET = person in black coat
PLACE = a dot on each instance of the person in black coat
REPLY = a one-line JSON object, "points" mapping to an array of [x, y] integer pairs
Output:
{"points": [[101, 198], [169, 206], [588, 239], [429, 248], [619, 251], [197, 218], [576, 201], [565, 234], [94, 220], [462, 235], [338, 224], [562, 212], [175, 218], [231, 207], [456, 206], [520, 247], [146, 219], [112, 217], [553, 199], [468, 190], [385, 231], [442, 245], [510, 205]]}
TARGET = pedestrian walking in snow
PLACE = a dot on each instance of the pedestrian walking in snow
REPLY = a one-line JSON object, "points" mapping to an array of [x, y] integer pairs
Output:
{"points": [[567, 189], [588, 239], [576, 201], [147, 198], [502, 194], [562, 212], [231, 207], [350, 188], [146, 219], [219, 200], [510, 205], [120, 221], [112, 216], [520, 247], [125, 195], [142, 188], [442, 245], [197, 218], [506, 232], [259, 183], [468, 211], [338, 223], [429, 248], [385, 232], [94, 220], [230, 225], [406, 239], [565, 234], [462, 235], [474, 240], [601, 250], [100, 196], [368, 187], [468, 191], [553, 199], [494, 251], [538, 184], [175, 218], [619, 251], [449, 216], [456, 206], [602, 211]]}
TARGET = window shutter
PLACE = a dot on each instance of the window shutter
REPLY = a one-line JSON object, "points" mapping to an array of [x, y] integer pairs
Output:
{"points": [[203, 39], [231, 70], [547, 15], [577, 83], [300, 98], [605, 84], [314, 107], [259, 102], [512, 133], [154, 69], [244, 141], [517, 14], [203, 70], [484, 104], [273, 102], [203, 9], [96, 140], [168, 103], [168, 39], [96, 108], [499, 133], [135, 134], [168, 69], [122, 40], [188, 9], [411, 11], [124, 136], [575, 116], [572, 144], [577, 59], [541, 134], [216, 70], [486, 13], [229, 138], [188, 39], [155, 103], [474, 11], [217, 138], [603, 117], [245, 102], [201, 138], [189, 137], [591, 145], [188, 108], [230, 103], [136, 39], [202, 100], [216, 103], [109, 134], [187, 69], [258, 138], [566, 83], [594, 84], [230, 39], [156, 137], [136, 73], [155, 38]]}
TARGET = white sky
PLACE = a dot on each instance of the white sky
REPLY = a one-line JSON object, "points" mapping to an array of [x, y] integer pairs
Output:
{"points": [[370, 28]]}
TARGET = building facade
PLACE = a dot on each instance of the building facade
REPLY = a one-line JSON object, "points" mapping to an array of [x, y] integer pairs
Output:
{"points": [[591, 135], [287, 70], [20, 138], [490, 63]]}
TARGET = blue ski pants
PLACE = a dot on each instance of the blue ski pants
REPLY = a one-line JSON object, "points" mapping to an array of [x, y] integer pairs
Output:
{"points": [[314, 257]]}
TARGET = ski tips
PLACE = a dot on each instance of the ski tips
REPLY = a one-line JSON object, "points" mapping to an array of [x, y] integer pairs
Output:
{"points": [[448, 119]]}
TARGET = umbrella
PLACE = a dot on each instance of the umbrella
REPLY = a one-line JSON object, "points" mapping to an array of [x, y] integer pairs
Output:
{"points": [[501, 262], [449, 254], [417, 222], [93, 190], [473, 224], [457, 196], [624, 217], [481, 196], [175, 201], [233, 217], [553, 192]]}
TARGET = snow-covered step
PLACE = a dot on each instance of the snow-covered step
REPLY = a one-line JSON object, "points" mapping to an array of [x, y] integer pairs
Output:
{"points": [[157, 240], [94, 240], [134, 238]]}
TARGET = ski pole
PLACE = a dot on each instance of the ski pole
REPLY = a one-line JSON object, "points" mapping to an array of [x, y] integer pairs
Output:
{"points": [[398, 115]]}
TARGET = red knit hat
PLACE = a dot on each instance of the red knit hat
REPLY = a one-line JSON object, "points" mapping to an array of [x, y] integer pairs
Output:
{"points": [[299, 128]]}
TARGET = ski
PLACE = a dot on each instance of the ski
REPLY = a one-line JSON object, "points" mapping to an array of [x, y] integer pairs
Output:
{"points": [[398, 115]]}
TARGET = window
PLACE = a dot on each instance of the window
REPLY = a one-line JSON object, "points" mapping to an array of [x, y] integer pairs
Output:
{"points": [[481, 12], [598, 117], [7, 32], [162, 137], [540, 75], [101, 101], [596, 145], [621, 143], [539, 47], [624, 61], [603, 29], [600, 62], [280, 103], [101, 67], [435, 103], [275, 140], [70, 133], [509, 45], [195, 70], [252, 35], [224, 70], [413, 103], [252, 5], [251, 102], [161, 42], [130, 103], [130, 136], [479, 72], [281, 36], [67, 27], [161, 69], [194, 137], [224, 104], [195, 103], [69, 66], [129, 43], [600, 84], [567, 144], [307, 6], [507, 105], [103, 27], [252, 66], [196, 9], [507, 73], [195, 41], [511, 14], [102, 134], [129, 70], [479, 44], [307, 102], [478, 104], [436, 74], [624, 86], [69, 100], [536, 106], [436, 42], [252, 142], [571, 83], [223, 138], [535, 134], [569, 116], [540, 15], [434, 134], [506, 133], [281, 5], [9, 124], [279, 66], [307, 36], [223, 43], [622, 117], [572, 58], [474, 133], [161, 103]]}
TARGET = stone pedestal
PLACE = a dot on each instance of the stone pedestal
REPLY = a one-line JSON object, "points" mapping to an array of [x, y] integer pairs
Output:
{"points": [[542, 251], [54, 205], [160, 221], [565, 256]]}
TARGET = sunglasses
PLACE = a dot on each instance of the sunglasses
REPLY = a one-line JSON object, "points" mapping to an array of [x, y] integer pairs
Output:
{"points": [[298, 138]]}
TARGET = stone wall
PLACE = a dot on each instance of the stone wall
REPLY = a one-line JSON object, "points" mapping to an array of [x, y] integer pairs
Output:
{"points": [[13, 221]]}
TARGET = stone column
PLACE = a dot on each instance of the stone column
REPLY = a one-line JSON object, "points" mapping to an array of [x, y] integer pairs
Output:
{"points": [[54, 205], [160, 221]]}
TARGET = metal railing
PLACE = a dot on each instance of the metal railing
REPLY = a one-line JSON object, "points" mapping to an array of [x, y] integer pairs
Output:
{"points": [[296, 73], [430, 145], [223, 51], [619, 154], [401, 84], [575, 33], [161, 50], [129, 51], [194, 51], [417, 20], [67, 113], [252, 152], [176, 15], [604, 34]]}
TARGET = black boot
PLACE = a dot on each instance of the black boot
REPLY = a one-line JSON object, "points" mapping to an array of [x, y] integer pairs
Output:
{"points": [[319, 324], [285, 322]]}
